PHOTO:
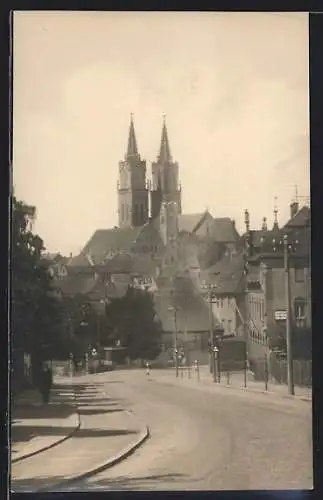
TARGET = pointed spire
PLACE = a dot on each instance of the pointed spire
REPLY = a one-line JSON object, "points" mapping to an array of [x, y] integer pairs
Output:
{"points": [[132, 142], [276, 225], [164, 152]]}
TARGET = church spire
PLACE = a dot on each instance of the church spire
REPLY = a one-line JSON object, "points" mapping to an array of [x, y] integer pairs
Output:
{"points": [[164, 152], [276, 225], [132, 142]]}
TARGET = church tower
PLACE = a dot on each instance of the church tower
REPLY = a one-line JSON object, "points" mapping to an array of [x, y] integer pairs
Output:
{"points": [[165, 186], [168, 227], [132, 186]]}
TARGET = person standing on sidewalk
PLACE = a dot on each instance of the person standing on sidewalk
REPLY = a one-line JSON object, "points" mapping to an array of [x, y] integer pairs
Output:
{"points": [[45, 384]]}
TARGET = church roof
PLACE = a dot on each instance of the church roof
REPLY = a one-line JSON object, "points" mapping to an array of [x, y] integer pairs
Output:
{"points": [[188, 222], [132, 149], [104, 241], [164, 151]]}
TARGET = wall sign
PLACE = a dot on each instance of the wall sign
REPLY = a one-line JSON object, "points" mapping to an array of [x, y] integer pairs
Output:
{"points": [[280, 315]]}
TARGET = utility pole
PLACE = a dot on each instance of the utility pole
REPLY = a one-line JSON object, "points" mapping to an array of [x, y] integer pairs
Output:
{"points": [[175, 341], [209, 288], [212, 338], [290, 374]]}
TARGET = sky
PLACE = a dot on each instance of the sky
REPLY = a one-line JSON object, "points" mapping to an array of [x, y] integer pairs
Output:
{"points": [[233, 86]]}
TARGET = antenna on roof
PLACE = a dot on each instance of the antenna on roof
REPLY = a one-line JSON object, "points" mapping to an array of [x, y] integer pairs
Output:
{"points": [[296, 193]]}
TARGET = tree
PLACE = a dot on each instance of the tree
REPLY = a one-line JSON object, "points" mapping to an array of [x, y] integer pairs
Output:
{"points": [[83, 324], [132, 321], [36, 312]]}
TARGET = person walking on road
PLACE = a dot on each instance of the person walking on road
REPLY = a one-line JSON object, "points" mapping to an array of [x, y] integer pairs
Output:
{"points": [[147, 368]]}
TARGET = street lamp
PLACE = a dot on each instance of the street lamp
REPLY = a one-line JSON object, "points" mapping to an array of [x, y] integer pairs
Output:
{"points": [[174, 310], [216, 358], [210, 291], [287, 249]]}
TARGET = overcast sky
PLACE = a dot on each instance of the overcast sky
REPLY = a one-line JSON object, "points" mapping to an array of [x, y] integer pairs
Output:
{"points": [[233, 86]]}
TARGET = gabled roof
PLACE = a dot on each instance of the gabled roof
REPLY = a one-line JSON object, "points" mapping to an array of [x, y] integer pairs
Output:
{"points": [[104, 241], [300, 219], [192, 312], [75, 284], [189, 222], [223, 230], [54, 258], [227, 274]]}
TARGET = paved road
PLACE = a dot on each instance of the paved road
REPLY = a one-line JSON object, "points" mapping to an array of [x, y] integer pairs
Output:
{"points": [[208, 441]]}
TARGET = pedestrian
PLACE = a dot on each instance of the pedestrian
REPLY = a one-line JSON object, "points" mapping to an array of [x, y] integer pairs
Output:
{"points": [[147, 369], [45, 384]]}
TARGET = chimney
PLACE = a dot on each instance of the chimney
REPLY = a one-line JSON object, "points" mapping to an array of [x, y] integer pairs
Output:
{"points": [[293, 209]]}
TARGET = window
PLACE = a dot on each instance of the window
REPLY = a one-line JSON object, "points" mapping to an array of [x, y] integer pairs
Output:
{"points": [[122, 212], [299, 275], [229, 325], [299, 310]]}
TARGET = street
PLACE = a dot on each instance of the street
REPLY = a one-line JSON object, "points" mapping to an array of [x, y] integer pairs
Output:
{"points": [[207, 441]]}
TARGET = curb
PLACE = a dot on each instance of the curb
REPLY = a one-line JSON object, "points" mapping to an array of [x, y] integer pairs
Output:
{"points": [[129, 450], [246, 389], [52, 445]]}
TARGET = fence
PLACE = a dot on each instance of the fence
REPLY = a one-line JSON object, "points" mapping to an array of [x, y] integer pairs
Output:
{"points": [[276, 371]]}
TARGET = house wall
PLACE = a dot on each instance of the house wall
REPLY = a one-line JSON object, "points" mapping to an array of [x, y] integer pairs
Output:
{"points": [[225, 309], [276, 294]]}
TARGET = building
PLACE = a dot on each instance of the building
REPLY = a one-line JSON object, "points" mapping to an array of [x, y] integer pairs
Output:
{"points": [[155, 245], [266, 298], [227, 281]]}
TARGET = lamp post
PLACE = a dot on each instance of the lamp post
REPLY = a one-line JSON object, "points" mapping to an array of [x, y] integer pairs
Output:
{"points": [[216, 364], [287, 248], [210, 287], [174, 310]]}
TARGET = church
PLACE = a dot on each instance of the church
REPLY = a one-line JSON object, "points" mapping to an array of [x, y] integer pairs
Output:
{"points": [[155, 245]]}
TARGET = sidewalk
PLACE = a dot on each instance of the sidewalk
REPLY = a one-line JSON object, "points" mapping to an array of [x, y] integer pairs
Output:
{"points": [[36, 426], [235, 381], [108, 432]]}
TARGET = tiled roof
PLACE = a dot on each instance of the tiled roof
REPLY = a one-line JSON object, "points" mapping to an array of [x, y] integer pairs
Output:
{"points": [[300, 219], [72, 285], [227, 274], [188, 222], [104, 241], [192, 312], [223, 230], [145, 265], [79, 261]]}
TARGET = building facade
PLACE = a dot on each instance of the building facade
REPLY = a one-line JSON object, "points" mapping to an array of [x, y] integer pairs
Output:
{"points": [[266, 292]]}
